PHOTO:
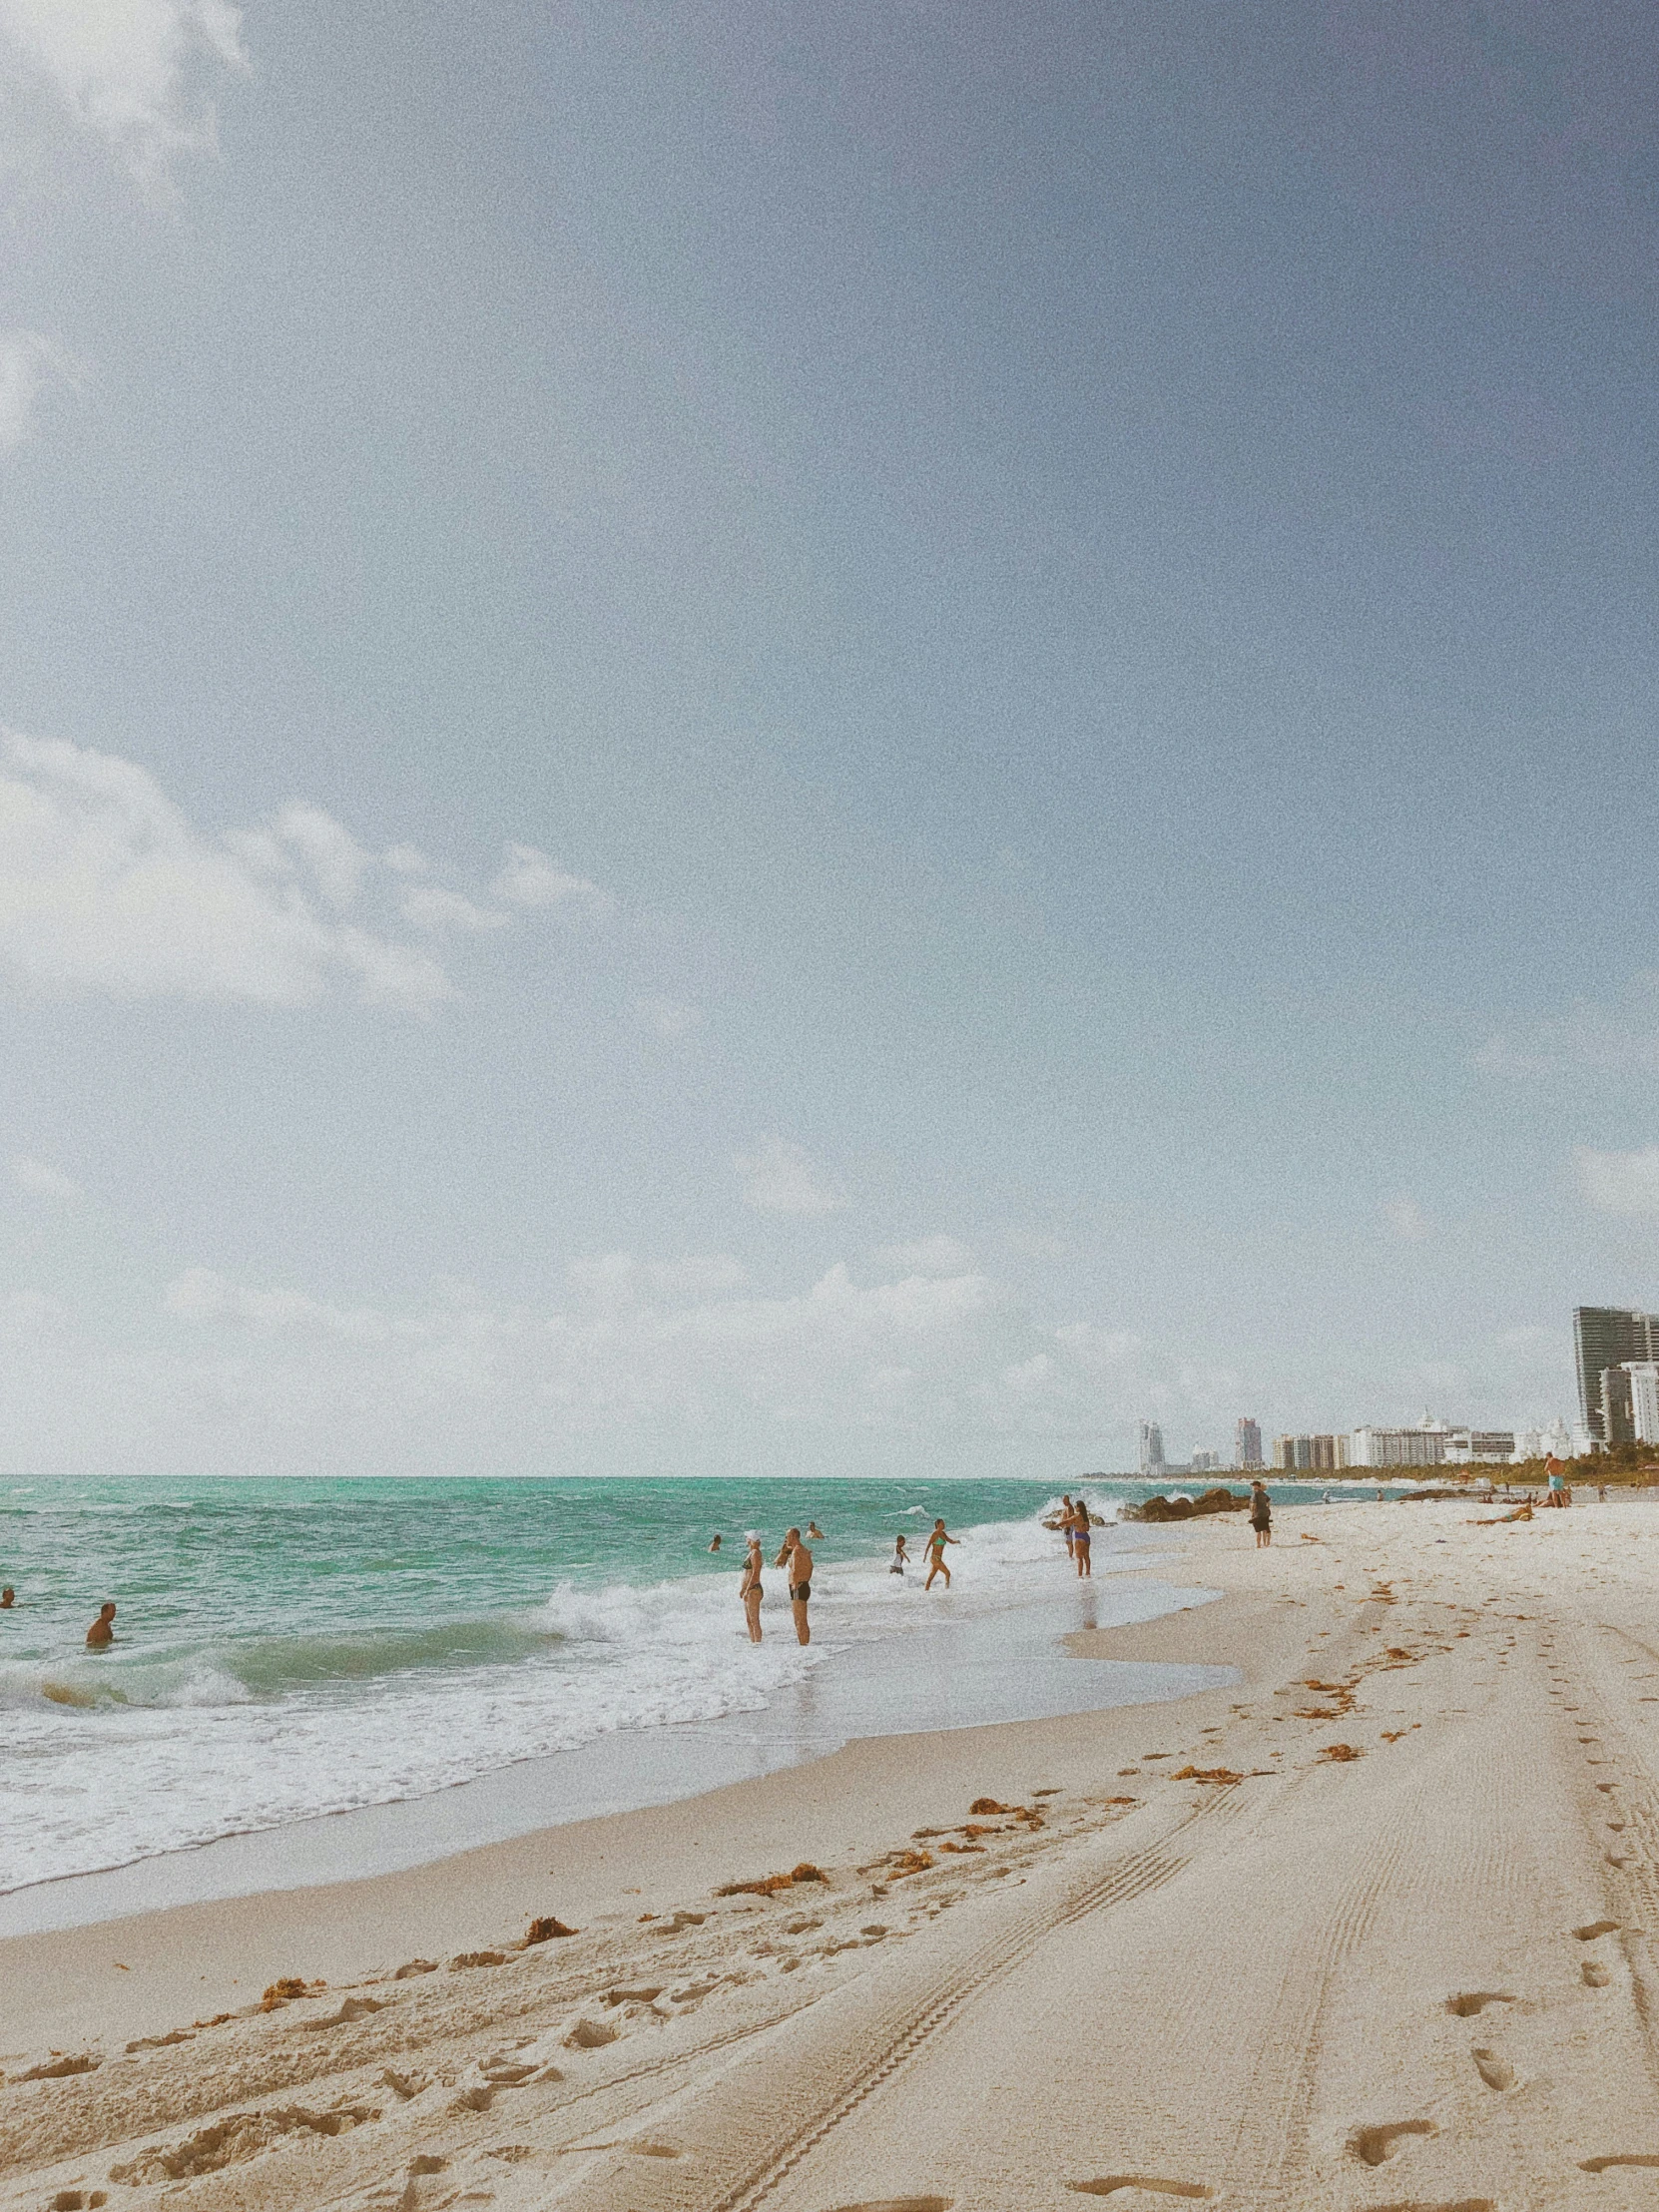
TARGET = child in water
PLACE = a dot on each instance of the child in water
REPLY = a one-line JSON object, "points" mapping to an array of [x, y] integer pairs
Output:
{"points": [[900, 1558]]}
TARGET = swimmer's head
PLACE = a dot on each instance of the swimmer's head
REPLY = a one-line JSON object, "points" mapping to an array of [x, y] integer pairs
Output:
{"points": [[752, 1535]]}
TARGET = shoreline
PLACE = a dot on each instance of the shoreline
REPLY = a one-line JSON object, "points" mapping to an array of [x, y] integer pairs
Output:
{"points": [[971, 1672], [1386, 1898]]}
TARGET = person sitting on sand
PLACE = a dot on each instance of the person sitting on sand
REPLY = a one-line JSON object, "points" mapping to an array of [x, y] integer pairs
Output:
{"points": [[798, 1563], [900, 1558], [1082, 1541], [750, 1587], [1260, 1515], [935, 1555], [102, 1631]]}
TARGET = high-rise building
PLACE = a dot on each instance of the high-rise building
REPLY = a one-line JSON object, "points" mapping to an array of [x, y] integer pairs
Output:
{"points": [[1247, 1443], [1152, 1449], [1204, 1462], [1644, 1401], [1607, 1337]]}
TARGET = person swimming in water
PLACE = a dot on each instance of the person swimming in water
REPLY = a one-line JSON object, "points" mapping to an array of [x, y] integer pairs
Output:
{"points": [[935, 1554], [102, 1631], [813, 1531], [8, 1598], [714, 1546], [750, 1587]]}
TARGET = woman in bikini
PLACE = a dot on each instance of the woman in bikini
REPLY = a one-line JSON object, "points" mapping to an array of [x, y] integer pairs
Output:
{"points": [[1082, 1537], [935, 1555], [750, 1587]]}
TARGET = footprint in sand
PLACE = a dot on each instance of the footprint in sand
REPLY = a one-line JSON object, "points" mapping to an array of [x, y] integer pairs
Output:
{"points": [[1108, 2183], [1468, 2003], [1600, 2165], [1594, 1974], [1592, 1929], [1371, 2145], [1495, 2072]]}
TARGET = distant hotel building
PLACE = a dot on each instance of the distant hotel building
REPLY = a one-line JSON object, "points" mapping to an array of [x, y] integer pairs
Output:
{"points": [[1152, 1449], [1630, 1403], [1607, 1338], [1310, 1455], [1247, 1443]]}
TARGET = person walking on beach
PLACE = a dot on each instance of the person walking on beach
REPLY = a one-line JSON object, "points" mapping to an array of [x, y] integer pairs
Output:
{"points": [[102, 1631], [798, 1564], [1260, 1515], [900, 1558], [750, 1587], [935, 1555], [1082, 1541]]}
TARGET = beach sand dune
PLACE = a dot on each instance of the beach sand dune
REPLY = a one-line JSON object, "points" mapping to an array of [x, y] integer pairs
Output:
{"points": [[1370, 1932]]}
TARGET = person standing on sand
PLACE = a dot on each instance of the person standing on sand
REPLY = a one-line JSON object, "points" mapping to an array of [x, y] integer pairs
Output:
{"points": [[1260, 1515], [798, 1564], [750, 1587], [935, 1555], [900, 1558], [102, 1631], [1082, 1541]]}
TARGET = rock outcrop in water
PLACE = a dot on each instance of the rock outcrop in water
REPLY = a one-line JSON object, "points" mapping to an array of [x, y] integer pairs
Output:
{"points": [[1186, 1508]]}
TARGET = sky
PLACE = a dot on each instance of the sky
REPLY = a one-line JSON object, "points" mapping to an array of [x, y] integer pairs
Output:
{"points": [[859, 739]]}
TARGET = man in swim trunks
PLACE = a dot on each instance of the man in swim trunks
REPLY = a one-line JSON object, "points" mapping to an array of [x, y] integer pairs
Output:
{"points": [[798, 1564], [750, 1587], [1082, 1541], [102, 1631], [1068, 1517], [935, 1555]]}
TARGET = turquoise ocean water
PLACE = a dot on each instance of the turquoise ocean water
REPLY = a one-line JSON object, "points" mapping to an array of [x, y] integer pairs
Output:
{"points": [[289, 1648]]}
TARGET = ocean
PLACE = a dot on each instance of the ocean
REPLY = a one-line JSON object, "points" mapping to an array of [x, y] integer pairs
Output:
{"points": [[295, 1648]]}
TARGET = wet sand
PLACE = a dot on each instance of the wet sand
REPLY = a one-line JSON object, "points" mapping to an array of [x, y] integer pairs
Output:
{"points": [[1368, 1927]]}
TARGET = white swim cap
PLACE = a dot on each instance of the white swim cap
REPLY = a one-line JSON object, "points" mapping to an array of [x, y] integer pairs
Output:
{"points": [[752, 1535]]}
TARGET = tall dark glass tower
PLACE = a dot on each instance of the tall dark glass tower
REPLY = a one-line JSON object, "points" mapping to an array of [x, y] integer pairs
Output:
{"points": [[1606, 1337]]}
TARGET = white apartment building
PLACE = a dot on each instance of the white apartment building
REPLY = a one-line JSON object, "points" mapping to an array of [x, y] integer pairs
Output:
{"points": [[1644, 1399]]}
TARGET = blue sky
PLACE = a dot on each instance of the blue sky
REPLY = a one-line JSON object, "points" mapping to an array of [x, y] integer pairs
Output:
{"points": [[853, 739]]}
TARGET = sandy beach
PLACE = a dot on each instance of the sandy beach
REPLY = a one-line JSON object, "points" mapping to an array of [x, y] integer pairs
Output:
{"points": [[1369, 1928]]}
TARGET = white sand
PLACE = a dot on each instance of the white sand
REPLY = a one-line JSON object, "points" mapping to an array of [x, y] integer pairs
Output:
{"points": [[1236, 1991]]}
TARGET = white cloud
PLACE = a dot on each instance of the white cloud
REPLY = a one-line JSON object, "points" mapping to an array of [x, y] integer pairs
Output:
{"points": [[28, 363], [429, 907], [618, 1276], [1620, 1182], [405, 860], [42, 1181], [529, 878], [1406, 1220], [667, 1016], [202, 1296], [128, 70], [335, 859], [928, 1256], [106, 885], [779, 1178], [1616, 1039]]}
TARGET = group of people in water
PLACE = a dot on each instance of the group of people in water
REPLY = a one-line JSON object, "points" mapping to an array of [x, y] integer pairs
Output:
{"points": [[796, 1559]]}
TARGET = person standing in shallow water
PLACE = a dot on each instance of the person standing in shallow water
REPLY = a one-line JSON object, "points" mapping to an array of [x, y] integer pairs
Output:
{"points": [[1082, 1541], [797, 1565], [935, 1554], [750, 1587], [102, 1631], [1260, 1515], [900, 1557]]}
